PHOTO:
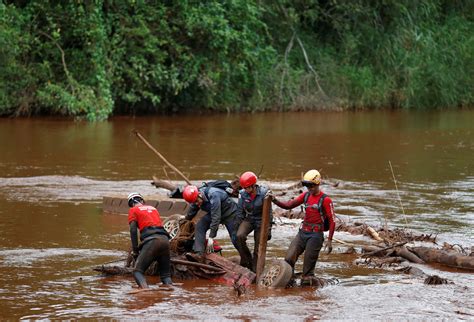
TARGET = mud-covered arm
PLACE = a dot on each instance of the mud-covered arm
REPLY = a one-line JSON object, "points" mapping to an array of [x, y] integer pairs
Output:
{"points": [[329, 211], [290, 204], [216, 213], [134, 235]]}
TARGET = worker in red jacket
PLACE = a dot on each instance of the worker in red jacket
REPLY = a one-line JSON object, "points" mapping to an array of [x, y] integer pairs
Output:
{"points": [[310, 236], [154, 245]]}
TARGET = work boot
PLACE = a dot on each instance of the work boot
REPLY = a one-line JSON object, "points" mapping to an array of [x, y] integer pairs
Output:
{"points": [[167, 281], [307, 280]]}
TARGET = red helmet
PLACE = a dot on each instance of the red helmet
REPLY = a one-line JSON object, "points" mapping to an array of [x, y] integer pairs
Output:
{"points": [[247, 179], [190, 194]]}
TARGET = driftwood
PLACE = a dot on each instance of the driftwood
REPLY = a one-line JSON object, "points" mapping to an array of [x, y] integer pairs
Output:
{"points": [[408, 255], [161, 156], [163, 184], [262, 245], [373, 234], [395, 253], [382, 250], [178, 263], [383, 233], [449, 258]]}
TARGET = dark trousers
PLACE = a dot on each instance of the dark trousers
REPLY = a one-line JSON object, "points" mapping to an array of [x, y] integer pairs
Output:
{"points": [[308, 242], [157, 249], [246, 258], [203, 226]]}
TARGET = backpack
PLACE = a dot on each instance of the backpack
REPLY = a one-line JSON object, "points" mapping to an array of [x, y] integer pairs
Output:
{"points": [[320, 209], [220, 184]]}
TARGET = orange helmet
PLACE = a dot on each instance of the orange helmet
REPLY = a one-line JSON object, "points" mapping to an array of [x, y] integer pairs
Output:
{"points": [[190, 194], [248, 179]]}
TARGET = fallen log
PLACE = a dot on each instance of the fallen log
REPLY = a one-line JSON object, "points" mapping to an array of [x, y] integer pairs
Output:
{"points": [[374, 250], [383, 249], [408, 255], [163, 184], [452, 259]]}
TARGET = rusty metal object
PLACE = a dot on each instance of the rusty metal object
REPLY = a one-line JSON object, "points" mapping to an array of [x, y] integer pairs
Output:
{"points": [[235, 275]]}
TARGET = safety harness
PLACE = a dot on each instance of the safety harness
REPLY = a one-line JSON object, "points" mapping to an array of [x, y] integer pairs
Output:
{"points": [[319, 207]]}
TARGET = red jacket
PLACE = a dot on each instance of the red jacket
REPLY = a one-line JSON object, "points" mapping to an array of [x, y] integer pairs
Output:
{"points": [[145, 216], [312, 215]]}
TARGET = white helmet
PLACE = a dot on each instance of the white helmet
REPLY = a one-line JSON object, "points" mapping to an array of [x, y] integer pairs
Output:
{"points": [[133, 198]]}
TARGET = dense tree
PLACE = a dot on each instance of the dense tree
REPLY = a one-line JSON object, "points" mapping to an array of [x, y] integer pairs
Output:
{"points": [[95, 58]]}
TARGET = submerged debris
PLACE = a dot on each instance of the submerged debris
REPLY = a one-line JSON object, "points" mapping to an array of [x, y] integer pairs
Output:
{"points": [[383, 234], [436, 280], [311, 281]]}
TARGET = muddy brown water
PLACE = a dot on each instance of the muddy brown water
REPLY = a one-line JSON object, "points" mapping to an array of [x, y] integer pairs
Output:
{"points": [[53, 174]]}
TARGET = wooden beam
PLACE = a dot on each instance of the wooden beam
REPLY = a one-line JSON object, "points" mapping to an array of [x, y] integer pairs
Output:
{"points": [[262, 245]]}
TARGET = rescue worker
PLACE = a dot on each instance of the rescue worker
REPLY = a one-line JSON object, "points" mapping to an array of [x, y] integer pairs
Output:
{"points": [[249, 217], [219, 208], [154, 244], [310, 236]]}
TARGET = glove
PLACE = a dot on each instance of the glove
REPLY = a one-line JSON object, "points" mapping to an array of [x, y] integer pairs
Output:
{"points": [[210, 245], [269, 235], [270, 194], [329, 246], [134, 255]]}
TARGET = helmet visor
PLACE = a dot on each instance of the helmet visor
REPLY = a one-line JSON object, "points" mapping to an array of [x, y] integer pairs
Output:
{"points": [[308, 184]]}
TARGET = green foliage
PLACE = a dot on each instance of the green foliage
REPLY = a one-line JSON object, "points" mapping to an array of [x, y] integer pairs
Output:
{"points": [[90, 59]]}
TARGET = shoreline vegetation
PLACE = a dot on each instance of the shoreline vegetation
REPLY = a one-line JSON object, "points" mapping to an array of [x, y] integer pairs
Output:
{"points": [[93, 60]]}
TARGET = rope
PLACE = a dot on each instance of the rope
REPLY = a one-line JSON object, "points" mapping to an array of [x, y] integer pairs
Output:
{"points": [[185, 233]]}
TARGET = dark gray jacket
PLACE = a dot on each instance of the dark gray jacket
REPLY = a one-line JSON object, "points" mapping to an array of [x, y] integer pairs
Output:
{"points": [[251, 210], [218, 204]]}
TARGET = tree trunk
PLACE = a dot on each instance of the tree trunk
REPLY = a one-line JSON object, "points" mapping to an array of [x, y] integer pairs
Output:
{"points": [[432, 255], [405, 253], [163, 184]]}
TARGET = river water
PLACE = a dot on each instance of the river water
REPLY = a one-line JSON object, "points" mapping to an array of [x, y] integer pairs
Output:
{"points": [[53, 174]]}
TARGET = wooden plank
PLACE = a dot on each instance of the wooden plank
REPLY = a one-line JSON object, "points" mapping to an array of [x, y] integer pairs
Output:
{"points": [[262, 245]]}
